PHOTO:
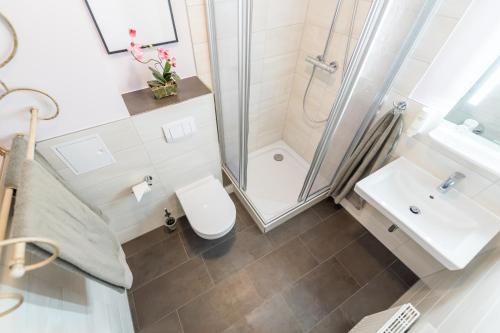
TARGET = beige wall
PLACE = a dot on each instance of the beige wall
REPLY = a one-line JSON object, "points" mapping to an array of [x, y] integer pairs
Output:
{"points": [[300, 133], [199, 38], [140, 149]]}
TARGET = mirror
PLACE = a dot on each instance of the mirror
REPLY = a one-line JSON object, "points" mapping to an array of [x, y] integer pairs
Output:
{"points": [[479, 110]]}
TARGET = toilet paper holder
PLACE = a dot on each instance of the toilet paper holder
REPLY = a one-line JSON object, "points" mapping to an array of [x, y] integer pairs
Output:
{"points": [[142, 188]]}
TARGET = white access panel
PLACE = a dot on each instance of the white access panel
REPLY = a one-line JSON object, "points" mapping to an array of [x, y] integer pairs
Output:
{"points": [[84, 154]]}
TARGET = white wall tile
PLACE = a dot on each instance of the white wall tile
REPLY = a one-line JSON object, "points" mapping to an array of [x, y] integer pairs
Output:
{"points": [[202, 58], [117, 136], [126, 160], [149, 124], [160, 150], [139, 148], [117, 188], [286, 12], [409, 75], [283, 40], [453, 8], [198, 23], [434, 37]]}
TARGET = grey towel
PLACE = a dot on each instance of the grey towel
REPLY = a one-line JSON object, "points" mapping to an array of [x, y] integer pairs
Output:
{"points": [[46, 208], [368, 156], [16, 157]]}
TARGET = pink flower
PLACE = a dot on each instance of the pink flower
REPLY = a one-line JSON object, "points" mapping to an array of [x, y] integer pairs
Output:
{"points": [[132, 32], [162, 53], [173, 62], [136, 51], [138, 54]]}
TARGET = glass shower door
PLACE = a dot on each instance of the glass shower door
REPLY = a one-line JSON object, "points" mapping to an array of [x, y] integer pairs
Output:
{"points": [[384, 58], [224, 23]]}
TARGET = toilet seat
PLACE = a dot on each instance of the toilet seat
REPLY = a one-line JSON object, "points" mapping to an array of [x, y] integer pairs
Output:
{"points": [[209, 209]]}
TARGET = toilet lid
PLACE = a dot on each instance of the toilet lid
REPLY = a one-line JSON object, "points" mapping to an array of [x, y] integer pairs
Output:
{"points": [[208, 207]]}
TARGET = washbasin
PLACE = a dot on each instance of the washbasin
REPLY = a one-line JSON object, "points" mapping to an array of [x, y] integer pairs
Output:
{"points": [[450, 226]]}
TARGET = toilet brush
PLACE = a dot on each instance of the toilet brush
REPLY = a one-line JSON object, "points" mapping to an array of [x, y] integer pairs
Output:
{"points": [[170, 221]]}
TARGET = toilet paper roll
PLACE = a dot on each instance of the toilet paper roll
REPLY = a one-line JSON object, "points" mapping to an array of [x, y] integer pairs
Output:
{"points": [[141, 189]]}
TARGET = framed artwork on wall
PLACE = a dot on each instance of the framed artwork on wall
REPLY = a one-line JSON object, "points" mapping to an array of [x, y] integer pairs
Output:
{"points": [[152, 19]]}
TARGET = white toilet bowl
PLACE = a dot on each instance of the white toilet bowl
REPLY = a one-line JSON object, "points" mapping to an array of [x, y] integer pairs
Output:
{"points": [[209, 209]]}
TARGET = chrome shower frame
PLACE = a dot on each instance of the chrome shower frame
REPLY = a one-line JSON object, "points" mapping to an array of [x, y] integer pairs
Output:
{"points": [[306, 198]]}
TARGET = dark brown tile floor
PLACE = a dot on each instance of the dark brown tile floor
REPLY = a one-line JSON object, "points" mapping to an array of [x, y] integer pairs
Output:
{"points": [[319, 272]]}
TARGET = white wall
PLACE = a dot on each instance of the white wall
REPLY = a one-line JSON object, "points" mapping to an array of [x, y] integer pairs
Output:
{"points": [[455, 69], [61, 53]]}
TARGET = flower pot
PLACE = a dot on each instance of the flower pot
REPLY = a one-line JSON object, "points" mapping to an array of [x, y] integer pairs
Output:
{"points": [[162, 91]]}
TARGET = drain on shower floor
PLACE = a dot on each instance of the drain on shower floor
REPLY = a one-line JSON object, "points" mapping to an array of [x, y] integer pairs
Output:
{"points": [[278, 157]]}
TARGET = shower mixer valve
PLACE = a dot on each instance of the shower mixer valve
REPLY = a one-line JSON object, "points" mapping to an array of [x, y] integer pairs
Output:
{"points": [[322, 64]]}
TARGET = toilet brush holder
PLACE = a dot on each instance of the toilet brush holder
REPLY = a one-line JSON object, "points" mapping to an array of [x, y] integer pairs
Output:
{"points": [[170, 221]]}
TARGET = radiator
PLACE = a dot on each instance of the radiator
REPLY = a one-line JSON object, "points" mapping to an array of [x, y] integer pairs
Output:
{"points": [[394, 320]]}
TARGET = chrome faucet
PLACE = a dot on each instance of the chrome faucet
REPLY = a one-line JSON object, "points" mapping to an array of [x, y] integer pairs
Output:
{"points": [[452, 180]]}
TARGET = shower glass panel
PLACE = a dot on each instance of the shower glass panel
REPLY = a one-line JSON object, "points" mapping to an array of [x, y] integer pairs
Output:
{"points": [[224, 32], [384, 58], [295, 81], [300, 49]]}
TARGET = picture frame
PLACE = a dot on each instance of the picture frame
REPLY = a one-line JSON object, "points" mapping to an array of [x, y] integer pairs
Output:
{"points": [[113, 19]]}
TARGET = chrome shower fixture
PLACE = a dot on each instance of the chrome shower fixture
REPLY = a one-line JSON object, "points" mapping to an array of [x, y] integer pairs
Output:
{"points": [[320, 63]]}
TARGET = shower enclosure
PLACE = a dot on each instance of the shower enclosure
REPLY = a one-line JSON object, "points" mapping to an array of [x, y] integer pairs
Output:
{"points": [[296, 82]]}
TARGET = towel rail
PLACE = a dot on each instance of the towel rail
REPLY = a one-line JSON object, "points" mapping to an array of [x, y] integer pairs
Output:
{"points": [[17, 263], [15, 296]]}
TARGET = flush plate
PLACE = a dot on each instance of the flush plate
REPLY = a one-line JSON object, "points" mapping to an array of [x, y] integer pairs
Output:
{"points": [[84, 154]]}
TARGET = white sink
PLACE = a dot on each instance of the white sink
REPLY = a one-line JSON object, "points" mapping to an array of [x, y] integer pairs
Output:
{"points": [[450, 226]]}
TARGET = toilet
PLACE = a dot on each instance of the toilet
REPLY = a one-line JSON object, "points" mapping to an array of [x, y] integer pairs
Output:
{"points": [[209, 209]]}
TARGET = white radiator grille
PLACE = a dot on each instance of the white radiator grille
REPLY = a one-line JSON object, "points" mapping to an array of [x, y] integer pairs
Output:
{"points": [[394, 320], [401, 320]]}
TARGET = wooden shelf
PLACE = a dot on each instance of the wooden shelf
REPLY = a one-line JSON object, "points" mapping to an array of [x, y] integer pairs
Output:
{"points": [[141, 101]]}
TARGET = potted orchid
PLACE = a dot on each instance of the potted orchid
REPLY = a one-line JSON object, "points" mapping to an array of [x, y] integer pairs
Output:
{"points": [[162, 68]]}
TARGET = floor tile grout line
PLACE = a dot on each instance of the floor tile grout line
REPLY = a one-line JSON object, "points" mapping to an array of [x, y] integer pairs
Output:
{"points": [[215, 284], [340, 250], [289, 307], [133, 310], [235, 272], [332, 214], [360, 286], [146, 248], [239, 269], [244, 267], [183, 245], [319, 221], [310, 271], [180, 322], [308, 250], [208, 271], [318, 263], [349, 272], [388, 268], [216, 244], [163, 273], [348, 298], [160, 319]]}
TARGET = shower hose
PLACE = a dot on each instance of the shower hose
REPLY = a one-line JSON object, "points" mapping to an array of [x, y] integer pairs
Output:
{"points": [[325, 50]]}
